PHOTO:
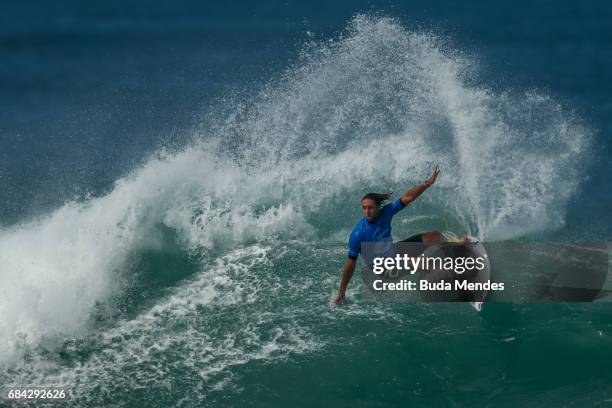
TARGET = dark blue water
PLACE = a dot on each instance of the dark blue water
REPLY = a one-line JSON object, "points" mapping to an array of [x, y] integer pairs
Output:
{"points": [[179, 179], [88, 91]]}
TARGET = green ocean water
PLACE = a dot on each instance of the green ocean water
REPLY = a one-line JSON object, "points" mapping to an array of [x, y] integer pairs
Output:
{"points": [[257, 330], [204, 276]]}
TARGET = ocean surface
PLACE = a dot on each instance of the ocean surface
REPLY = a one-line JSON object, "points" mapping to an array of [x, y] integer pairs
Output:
{"points": [[178, 182]]}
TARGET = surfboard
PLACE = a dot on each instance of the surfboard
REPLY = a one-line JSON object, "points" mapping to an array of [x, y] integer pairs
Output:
{"points": [[471, 247]]}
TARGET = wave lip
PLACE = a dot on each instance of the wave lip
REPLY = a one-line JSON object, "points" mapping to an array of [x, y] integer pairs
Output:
{"points": [[402, 100]]}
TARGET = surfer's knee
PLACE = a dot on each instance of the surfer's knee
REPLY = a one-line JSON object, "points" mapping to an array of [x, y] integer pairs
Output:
{"points": [[432, 237]]}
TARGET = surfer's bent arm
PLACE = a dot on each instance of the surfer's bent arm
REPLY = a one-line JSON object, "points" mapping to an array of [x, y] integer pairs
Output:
{"points": [[412, 194], [347, 274]]}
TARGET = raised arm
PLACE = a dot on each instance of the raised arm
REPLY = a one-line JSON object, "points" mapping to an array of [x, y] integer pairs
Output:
{"points": [[417, 190]]}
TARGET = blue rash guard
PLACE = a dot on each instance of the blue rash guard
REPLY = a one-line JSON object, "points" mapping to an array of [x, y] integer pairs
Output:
{"points": [[378, 231]]}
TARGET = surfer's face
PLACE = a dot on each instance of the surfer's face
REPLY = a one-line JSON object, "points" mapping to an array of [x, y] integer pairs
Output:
{"points": [[370, 209]]}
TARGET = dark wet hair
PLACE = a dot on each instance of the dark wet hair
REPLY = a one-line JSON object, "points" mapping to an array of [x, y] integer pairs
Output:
{"points": [[377, 197]]}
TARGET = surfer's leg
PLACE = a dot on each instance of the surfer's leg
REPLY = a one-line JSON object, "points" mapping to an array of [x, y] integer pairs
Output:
{"points": [[414, 238], [415, 246], [431, 237], [427, 238]]}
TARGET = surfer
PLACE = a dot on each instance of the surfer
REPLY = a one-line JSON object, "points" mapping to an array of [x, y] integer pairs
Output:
{"points": [[375, 226]]}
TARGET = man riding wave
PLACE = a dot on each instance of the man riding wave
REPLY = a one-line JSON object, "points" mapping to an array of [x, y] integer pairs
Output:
{"points": [[375, 227]]}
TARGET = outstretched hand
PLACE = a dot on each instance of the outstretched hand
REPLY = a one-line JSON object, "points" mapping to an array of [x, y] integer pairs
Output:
{"points": [[340, 298], [433, 176]]}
